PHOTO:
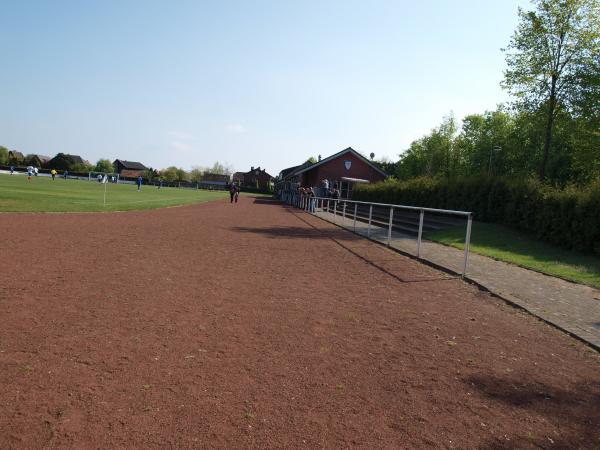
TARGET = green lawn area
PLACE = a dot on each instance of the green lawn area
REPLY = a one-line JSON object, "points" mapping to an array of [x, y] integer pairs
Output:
{"points": [[44, 195], [509, 245]]}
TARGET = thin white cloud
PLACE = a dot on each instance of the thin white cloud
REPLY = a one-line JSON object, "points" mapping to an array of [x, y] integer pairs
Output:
{"points": [[235, 128], [180, 146], [181, 135], [181, 141]]}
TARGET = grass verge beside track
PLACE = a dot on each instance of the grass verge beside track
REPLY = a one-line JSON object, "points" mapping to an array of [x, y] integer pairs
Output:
{"points": [[44, 195], [508, 245]]}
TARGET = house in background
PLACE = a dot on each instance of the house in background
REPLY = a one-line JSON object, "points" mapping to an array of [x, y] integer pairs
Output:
{"points": [[238, 178], [132, 169], [63, 161], [214, 180], [15, 157], [256, 178], [346, 169], [38, 160]]}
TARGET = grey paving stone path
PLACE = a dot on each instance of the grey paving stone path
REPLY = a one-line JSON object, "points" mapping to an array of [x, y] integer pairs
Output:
{"points": [[572, 307]]}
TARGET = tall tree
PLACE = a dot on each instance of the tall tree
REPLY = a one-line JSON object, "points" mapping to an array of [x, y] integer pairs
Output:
{"points": [[221, 169], [3, 155], [550, 46], [182, 175], [169, 174], [483, 144], [196, 174], [386, 164], [434, 154], [104, 165]]}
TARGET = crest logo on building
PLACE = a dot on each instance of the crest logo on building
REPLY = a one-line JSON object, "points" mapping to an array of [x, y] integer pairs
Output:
{"points": [[347, 164]]}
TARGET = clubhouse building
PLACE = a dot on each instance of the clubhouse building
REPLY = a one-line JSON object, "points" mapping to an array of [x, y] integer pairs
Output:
{"points": [[344, 169]]}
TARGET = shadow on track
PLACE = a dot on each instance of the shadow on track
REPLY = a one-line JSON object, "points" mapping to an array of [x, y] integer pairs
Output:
{"points": [[298, 233], [266, 201], [577, 407], [338, 236]]}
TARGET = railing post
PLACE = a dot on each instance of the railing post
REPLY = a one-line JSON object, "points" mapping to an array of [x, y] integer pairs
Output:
{"points": [[334, 209], [421, 215], [389, 241], [344, 213], [355, 207], [370, 216], [327, 206], [467, 242]]}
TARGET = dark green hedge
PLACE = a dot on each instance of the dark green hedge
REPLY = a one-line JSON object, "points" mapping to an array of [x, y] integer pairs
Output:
{"points": [[567, 217]]}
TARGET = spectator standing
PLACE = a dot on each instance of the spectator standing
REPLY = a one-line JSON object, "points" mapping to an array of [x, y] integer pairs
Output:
{"points": [[12, 169], [325, 186], [311, 199], [65, 174], [139, 183]]}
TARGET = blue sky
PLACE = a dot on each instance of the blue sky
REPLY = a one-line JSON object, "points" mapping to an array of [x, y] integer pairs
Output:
{"points": [[265, 83]]}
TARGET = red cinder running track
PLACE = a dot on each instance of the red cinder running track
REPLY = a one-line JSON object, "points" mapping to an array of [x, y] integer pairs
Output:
{"points": [[258, 326]]}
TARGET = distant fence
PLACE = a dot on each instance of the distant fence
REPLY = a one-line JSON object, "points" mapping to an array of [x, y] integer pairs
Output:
{"points": [[92, 176], [407, 220]]}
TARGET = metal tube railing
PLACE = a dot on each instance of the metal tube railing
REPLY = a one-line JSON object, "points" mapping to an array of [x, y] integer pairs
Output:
{"points": [[421, 217], [389, 240], [308, 204], [467, 242], [413, 208]]}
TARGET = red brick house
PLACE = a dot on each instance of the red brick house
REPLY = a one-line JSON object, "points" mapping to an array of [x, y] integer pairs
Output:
{"points": [[254, 178], [132, 169], [346, 169]]}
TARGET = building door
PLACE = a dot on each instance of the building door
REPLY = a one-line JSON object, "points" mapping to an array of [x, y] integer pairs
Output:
{"points": [[345, 189]]}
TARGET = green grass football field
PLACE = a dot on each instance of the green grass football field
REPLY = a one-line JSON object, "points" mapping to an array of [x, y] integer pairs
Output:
{"points": [[44, 195]]}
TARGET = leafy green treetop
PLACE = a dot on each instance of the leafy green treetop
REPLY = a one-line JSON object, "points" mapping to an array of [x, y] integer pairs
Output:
{"points": [[104, 165], [550, 48]]}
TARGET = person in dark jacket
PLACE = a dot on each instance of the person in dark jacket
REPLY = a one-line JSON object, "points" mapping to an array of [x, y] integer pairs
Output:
{"points": [[234, 192]]}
